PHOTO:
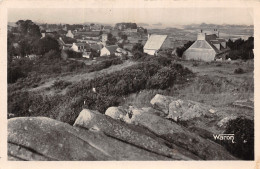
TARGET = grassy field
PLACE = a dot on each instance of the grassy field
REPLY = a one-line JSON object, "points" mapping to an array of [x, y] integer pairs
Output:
{"points": [[214, 84]]}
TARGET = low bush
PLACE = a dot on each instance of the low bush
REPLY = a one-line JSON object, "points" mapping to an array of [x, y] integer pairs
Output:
{"points": [[239, 71], [109, 90], [243, 130]]}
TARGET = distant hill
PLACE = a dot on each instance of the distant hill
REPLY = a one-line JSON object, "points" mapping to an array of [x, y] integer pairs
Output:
{"points": [[142, 24], [216, 26]]}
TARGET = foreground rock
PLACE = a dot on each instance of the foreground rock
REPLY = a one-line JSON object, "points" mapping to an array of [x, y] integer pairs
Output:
{"points": [[41, 138], [180, 110], [169, 130], [133, 135], [177, 135]]}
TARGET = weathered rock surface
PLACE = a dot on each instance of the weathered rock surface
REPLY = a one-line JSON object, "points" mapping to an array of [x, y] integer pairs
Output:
{"points": [[223, 122], [178, 135], [186, 110], [169, 130], [180, 109], [133, 135], [42, 138], [161, 102], [116, 112]]}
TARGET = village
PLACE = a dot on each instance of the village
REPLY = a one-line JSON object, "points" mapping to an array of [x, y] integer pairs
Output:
{"points": [[95, 40]]}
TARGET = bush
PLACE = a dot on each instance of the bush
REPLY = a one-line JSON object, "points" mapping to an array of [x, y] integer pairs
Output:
{"points": [[239, 71], [163, 79], [110, 88], [243, 130], [73, 54], [14, 73], [137, 55]]}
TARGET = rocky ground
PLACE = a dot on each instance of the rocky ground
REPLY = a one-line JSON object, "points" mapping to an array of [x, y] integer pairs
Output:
{"points": [[157, 132]]}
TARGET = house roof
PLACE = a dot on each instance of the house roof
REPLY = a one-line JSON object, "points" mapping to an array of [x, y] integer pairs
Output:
{"points": [[155, 42], [112, 48], [209, 44], [200, 44], [81, 44], [96, 47]]}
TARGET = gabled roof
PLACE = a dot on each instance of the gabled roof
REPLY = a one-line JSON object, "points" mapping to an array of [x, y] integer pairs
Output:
{"points": [[112, 48], [209, 44], [200, 44], [155, 42]]}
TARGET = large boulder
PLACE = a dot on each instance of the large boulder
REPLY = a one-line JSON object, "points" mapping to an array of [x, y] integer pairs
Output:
{"points": [[40, 138], [223, 122], [132, 135], [179, 135], [186, 110], [161, 102], [116, 112]]}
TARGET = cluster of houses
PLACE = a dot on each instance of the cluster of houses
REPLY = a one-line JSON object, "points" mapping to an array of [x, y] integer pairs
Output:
{"points": [[208, 46], [94, 38]]}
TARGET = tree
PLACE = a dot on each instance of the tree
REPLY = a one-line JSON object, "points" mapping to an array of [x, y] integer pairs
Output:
{"points": [[46, 44], [124, 37], [111, 40], [181, 50], [138, 48], [28, 28]]}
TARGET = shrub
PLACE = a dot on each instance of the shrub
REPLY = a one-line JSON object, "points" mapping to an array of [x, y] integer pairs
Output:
{"points": [[243, 130], [73, 54], [137, 55], [239, 71], [14, 73], [163, 79]]}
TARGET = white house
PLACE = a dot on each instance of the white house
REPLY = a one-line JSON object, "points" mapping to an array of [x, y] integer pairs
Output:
{"points": [[154, 43], [108, 50], [70, 34], [80, 47], [207, 47]]}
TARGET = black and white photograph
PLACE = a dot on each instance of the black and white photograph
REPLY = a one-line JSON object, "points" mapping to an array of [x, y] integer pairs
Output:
{"points": [[130, 84]]}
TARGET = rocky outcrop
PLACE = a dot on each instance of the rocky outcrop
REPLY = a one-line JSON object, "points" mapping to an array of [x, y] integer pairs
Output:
{"points": [[42, 138], [182, 110], [169, 130], [185, 110], [178, 135], [126, 133], [161, 102], [223, 122]]}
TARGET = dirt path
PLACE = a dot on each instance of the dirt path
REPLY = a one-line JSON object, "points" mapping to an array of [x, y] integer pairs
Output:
{"points": [[84, 76]]}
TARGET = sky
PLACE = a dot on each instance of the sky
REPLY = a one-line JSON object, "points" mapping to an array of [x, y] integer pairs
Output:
{"points": [[166, 16]]}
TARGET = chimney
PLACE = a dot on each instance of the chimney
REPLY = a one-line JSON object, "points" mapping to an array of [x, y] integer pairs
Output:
{"points": [[216, 32], [201, 36]]}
